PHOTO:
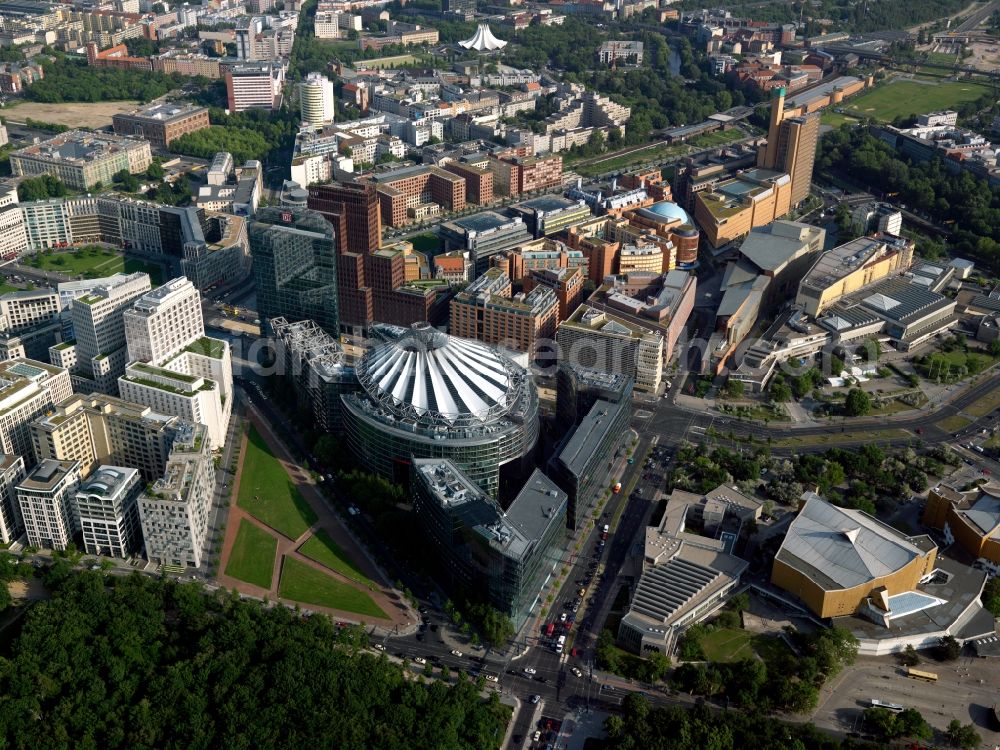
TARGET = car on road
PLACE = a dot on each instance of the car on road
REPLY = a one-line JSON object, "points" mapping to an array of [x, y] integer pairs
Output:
{"points": [[456, 652], [530, 670], [380, 647], [419, 660], [492, 678], [577, 672], [533, 700], [562, 617]]}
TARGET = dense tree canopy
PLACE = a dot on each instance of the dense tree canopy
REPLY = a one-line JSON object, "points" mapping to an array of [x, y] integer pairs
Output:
{"points": [[40, 188], [71, 81], [643, 727], [242, 143], [140, 663], [960, 199]]}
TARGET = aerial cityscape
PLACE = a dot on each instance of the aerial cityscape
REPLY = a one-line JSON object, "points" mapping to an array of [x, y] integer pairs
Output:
{"points": [[556, 374]]}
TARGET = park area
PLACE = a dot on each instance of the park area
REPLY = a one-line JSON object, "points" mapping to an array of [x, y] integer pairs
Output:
{"points": [[304, 584], [92, 115], [902, 98], [733, 644], [92, 262], [268, 494]]}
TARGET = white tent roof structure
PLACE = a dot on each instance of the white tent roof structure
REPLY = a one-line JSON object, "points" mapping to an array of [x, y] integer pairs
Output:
{"points": [[483, 40]]}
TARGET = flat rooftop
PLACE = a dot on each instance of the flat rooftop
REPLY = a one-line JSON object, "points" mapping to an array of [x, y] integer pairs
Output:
{"points": [[483, 221], [166, 112], [582, 445]]}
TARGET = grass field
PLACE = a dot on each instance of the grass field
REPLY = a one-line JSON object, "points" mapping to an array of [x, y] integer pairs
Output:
{"points": [[835, 119], [267, 492], [300, 583], [903, 98], [4, 288], [321, 548], [384, 62], [252, 558], [984, 405], [733, 644], [941, 58], [94, 265]]}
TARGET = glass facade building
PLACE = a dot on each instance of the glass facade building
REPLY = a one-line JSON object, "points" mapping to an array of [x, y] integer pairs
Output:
{"points": [[425, 394], [499, 557], [295, 267]]}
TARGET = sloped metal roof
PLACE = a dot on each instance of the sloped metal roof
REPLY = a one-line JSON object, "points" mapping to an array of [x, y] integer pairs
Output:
{"points": [[848, 547]]}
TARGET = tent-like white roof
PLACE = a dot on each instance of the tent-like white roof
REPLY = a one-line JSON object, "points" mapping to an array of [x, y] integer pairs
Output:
{"points": [[483, 40]]}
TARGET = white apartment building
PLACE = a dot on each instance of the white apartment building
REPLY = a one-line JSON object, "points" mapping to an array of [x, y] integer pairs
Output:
{"points": [[46, 498], [11, 475], [22, 310], [28, 389], [107, 507], [99, 327], [174, 511], [191, 397], [316, 99], [164, 321]]}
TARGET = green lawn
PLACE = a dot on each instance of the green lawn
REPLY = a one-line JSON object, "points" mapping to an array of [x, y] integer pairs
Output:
{"points": [[252, 558], [300, 583], [94, 264], [941, 58], [651, 153], [835, 119], [268, 494], [5, 288], [834, 438], [903, 98], [321, 548], [733, 644]]}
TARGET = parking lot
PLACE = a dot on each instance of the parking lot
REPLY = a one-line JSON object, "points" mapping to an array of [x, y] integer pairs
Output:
{"points": [[965, 690]]}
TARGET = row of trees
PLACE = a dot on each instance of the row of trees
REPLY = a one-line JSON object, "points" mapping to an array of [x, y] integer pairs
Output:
{"points": [[40, 188], [140, 663], [643, 727]]}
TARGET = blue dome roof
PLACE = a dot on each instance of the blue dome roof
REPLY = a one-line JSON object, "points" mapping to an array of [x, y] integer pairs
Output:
{"points": [[669, 210]]}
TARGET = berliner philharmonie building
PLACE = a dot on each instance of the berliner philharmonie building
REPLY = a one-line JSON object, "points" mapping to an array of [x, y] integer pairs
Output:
{"points": [[425, 394]]}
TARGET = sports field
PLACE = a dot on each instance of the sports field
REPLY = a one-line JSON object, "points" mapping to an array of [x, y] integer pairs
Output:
{"points": [[901, 98]]}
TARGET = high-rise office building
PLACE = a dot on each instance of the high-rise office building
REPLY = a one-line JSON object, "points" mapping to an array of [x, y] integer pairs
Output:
{"points": [[46, 497], [28, 389], [164, 321], [316, 99], [108, 509], [99, 429], [353, 209], [11, 474], [295, 267], [99, 327], [791, 146], [174, 510], [256, 85]]}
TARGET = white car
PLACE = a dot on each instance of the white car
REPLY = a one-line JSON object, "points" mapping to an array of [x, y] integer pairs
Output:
{"points": [[419, 660], [562, 617], [456, 652], [534, 699], [577, 672], [380, 647], [492, 678], [530, 670]]}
